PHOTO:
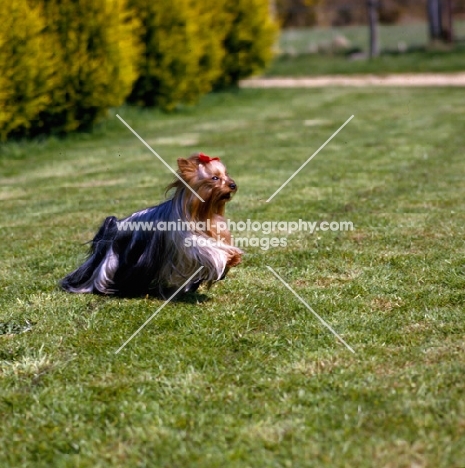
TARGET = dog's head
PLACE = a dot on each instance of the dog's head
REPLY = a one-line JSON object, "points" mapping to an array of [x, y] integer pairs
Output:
{"points": [[208, 178], [207, 175]]}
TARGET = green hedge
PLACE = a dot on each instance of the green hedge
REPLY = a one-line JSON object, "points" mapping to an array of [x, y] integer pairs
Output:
{"points": [[250, 37], [98, 50], [192, 46], [64, 63], [183, 50], [28, 68]]}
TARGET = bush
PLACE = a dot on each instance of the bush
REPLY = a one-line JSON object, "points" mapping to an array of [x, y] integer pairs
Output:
{"points": [[97, 49], [191, 47], [183, 50], [63, 63], [27, 68], [389, 14], [297, 13], [251, 35], [214, 22]]}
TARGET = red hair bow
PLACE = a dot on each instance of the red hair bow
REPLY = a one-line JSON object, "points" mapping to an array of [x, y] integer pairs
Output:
{"points": [[206, 159]]}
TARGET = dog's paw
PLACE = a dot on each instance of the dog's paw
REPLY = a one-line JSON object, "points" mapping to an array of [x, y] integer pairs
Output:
{"points": [[234, 260]]}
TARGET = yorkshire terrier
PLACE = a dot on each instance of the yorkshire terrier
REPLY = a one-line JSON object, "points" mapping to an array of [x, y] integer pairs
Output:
{"points": [[153, 260]]}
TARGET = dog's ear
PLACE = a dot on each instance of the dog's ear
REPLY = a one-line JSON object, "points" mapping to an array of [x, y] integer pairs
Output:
{"points": [[186, 165], [187, 168]]}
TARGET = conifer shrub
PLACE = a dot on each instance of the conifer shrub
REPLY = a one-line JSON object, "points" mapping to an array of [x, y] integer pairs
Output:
{"points": [[27, 68], [97, 50], [182, 53], [249, 40]]}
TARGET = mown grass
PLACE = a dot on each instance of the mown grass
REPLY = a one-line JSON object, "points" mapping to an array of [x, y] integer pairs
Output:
{"points": [[412, 35], [243, 374], [404, 49]]}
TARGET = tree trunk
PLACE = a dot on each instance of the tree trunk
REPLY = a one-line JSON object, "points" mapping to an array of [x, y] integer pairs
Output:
{"points": [[449, 27], [436, 32], [373, 24]]}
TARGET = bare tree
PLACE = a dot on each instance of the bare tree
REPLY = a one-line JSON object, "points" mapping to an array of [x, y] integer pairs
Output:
{"points": [[373, 24]]}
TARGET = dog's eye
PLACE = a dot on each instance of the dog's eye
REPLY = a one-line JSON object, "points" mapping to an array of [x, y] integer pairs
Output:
{"points": [[215, 178]]}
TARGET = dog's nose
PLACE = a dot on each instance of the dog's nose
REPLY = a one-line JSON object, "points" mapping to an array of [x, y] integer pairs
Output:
{"points": [[233, 186]]}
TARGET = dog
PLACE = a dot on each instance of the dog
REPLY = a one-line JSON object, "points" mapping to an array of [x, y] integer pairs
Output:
{"points": [[139, 255]]}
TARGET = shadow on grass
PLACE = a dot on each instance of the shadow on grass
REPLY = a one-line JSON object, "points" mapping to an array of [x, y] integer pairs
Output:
{"points": [[191, 298]]}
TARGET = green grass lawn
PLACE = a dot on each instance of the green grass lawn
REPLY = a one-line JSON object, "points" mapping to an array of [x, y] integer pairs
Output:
{"points": [[243, 375], [295, 59], [410, 34]]}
